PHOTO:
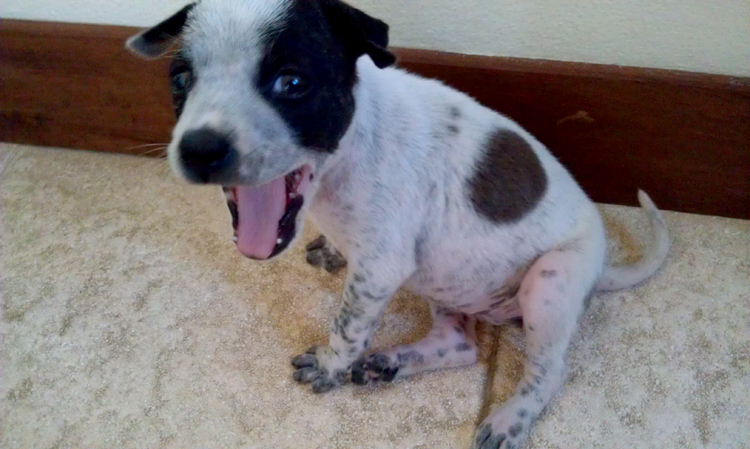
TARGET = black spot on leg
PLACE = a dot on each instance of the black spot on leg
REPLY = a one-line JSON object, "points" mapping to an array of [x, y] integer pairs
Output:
{"points": [[528, 388], [458, 329], [368, 295], [453, 129], [548, 273], [441, 352], [454, 112], [463, 347], [419, 243], [515, 429], [523, 413], [410, 357], [358, 277]]}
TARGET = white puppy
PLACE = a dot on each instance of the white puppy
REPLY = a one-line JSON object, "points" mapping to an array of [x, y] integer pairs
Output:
{"points": [[290, 105]]}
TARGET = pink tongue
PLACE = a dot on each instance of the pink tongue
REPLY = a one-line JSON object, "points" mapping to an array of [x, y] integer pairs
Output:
{"points": [[259, 210]]}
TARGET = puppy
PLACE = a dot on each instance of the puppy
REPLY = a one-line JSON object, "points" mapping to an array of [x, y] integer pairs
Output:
{"points": [[292, 107]]}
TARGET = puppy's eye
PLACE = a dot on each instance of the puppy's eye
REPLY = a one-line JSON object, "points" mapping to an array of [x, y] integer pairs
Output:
{"points": [[181, 82], [290, 85]]}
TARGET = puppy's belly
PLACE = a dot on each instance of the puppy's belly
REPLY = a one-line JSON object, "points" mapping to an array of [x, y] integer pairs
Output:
{"points": [[491, 298]]}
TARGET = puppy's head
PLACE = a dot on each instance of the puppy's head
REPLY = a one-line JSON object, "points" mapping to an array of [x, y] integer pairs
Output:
{"points": [[263, 92]]}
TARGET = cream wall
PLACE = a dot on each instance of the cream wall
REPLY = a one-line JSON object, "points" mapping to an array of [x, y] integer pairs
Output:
{"points": [[698, 35]]}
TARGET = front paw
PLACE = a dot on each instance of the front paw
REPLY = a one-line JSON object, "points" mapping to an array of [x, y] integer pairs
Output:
{"points": [[487, 439], [373, 368], [309, 370], [494, 436], [320, 253]]}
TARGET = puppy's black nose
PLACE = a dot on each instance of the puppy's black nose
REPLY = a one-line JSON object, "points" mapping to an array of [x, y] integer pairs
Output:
{"points": [[204, 153]]}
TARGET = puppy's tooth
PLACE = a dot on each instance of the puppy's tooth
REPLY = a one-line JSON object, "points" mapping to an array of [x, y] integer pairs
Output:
{"points": [[234, 239], [278, 241]]}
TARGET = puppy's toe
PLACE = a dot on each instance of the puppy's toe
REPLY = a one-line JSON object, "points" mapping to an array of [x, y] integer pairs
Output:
{"points": [[308, 358], [316, 244], [374, 368], [487, 439], [304, 361], [309, 370], [324, 384], [321, 254]]}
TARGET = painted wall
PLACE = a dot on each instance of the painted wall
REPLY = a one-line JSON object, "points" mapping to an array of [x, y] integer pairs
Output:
{"points": [[699, 35]]}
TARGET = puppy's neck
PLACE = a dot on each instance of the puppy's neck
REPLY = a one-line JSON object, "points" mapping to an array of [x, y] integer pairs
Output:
{"points": [[359, 149], [363, 131]]}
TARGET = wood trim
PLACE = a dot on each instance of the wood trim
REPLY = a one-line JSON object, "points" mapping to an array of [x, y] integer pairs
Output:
{"points": [[682, 137]]}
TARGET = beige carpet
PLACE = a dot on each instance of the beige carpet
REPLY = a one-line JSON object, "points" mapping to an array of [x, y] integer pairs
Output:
{"points": [[130, 321]]}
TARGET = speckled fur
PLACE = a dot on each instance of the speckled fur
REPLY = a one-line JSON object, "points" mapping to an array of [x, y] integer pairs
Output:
{"points": [[395, 200]]}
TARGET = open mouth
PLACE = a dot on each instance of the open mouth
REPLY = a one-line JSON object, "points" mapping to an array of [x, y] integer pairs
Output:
{"points": [[264, 217]]}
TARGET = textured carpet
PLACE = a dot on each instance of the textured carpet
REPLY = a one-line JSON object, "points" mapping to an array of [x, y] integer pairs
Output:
{"points": [[130, 321]]}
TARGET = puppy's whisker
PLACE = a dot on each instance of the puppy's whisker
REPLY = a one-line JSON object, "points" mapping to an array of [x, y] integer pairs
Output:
{"points": [[146, 145], [154, 152]]}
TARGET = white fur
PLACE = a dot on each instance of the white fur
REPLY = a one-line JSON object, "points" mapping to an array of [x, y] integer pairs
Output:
{"points": [[394, 199]]}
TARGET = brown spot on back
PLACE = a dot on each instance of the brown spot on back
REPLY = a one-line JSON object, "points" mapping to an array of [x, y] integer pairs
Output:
{"points": [[509, 181]]}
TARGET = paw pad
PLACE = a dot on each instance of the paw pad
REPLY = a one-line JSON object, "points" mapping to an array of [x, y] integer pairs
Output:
{"points": [[374, 368]]}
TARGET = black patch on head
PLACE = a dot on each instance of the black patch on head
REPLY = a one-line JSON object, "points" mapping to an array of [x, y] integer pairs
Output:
{"points": [[454, 112], [320, 41], [453, 129], [509, 181], [182, 80], [548, 273]]}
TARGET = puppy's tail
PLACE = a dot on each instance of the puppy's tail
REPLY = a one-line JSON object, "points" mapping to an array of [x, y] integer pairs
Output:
{"points": [[615, 278]]}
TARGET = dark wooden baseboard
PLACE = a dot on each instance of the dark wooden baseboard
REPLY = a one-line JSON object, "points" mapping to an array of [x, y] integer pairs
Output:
{"points": [[682, 137]]}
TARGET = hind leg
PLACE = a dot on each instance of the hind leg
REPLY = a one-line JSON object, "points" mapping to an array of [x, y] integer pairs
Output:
{"points": [[451, 342], [551, 297]]}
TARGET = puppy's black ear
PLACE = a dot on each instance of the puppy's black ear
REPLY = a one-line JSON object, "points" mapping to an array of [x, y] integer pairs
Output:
{"points": [[361, 34], [156, 41]]}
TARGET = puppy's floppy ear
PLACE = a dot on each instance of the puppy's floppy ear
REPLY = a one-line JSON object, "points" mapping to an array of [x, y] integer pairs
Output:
{"points": [[156, 41], [360, 33]]}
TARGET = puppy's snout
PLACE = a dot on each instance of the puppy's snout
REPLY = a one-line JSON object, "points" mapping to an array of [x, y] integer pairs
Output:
{"points": [[205, 154]]}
